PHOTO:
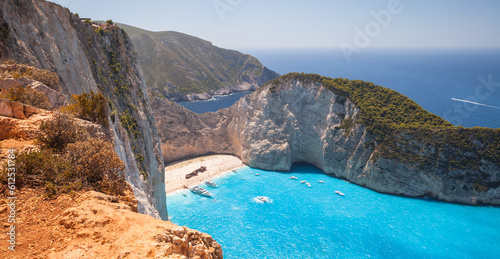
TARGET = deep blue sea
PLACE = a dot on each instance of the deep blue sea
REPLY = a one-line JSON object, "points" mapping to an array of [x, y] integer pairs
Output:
{"points": [[216, 103], [314, 222], [429, 77]]}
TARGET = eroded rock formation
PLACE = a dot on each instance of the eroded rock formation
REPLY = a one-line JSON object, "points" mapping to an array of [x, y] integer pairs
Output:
{"points": [[305, 122]]}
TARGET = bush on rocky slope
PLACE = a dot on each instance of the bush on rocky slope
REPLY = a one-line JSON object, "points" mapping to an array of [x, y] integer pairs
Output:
{"points": [[16, 70], [27, 95], [68, 160], [91, 107]]}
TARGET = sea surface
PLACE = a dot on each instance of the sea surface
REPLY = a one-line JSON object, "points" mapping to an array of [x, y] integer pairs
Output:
{"points": [[216, 103], [314, 222], [429, 77]]}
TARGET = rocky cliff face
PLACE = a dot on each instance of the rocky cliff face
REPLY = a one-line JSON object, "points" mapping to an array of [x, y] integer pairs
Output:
{"points": [[87, 58], [300, 121]]}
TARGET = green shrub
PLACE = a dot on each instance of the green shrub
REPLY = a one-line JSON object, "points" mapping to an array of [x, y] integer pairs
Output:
{"points": [[36, 168], [87, 165], [92, 107], [58, 132], [129, 123], [99, 30], [96, 165], [109, 22], [29, 96]]}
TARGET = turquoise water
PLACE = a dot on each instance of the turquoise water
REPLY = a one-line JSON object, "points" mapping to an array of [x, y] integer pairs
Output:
{"points": [[314, 222]]}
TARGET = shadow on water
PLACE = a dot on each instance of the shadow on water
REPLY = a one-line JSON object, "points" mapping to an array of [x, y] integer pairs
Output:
{"points": [[299, 167]]}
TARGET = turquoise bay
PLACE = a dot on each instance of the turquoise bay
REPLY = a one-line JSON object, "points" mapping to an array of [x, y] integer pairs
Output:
{"points": [[314, 222]]}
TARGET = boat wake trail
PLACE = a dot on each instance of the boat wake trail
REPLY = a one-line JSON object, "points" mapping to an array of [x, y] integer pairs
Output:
{"points": [[471, 102], [263, 199]]}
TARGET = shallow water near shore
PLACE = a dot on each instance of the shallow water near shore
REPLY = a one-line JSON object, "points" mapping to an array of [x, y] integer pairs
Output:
{"points": [[314, 222]]}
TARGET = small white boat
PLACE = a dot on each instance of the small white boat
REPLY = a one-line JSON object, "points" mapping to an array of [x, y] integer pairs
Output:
{"points": [[234, 170], [201, 191], [257, 174], [339, 193], [293, 177], [321, 182], [185, 195], [263, 198], [303, 182], [308, 184], [211, 184]]}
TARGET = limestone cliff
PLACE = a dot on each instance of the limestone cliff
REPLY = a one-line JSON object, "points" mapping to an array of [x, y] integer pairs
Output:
{"points": [[87, 58], [297, 120]]}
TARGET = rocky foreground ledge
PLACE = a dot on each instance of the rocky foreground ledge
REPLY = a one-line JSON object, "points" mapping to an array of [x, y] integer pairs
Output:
{"points": [[96, 225], [354, 130]]}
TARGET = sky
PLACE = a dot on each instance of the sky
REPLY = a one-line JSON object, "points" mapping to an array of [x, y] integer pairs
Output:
{"points": [[356, 24]]}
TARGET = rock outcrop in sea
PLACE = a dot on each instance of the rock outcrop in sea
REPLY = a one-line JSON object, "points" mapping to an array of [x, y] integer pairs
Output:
{"points": [[88, 57], [300, 120]]}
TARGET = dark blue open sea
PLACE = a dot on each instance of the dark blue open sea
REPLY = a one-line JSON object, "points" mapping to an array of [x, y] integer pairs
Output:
{"points": [[429, 77], [314, 222]]}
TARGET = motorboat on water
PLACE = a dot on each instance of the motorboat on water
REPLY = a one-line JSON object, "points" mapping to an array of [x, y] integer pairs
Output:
{"points": [[321, 182], [200, 191], [308, 184], [257, 174], [294, 178], [211, 184], [185, 195], [339, 193], [263, 198], [303, 182]]}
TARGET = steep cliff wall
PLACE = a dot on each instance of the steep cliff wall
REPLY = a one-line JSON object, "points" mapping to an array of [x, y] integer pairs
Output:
{"points": [[302, 121], [86, 58]]}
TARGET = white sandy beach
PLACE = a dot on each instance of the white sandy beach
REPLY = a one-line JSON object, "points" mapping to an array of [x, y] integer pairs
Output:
{"points": [[175, 173]]}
